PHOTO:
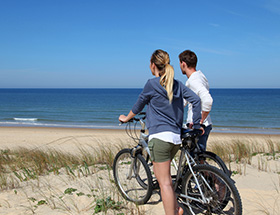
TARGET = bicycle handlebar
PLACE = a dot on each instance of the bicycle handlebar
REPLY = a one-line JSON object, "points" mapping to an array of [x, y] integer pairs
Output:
{"points": [[136, 119]]}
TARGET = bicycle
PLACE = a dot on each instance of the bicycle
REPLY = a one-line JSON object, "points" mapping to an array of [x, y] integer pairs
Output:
{"points": [[201, 188], [203, 157]]}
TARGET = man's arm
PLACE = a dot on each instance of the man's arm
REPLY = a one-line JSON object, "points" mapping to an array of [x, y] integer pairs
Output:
{"points": [[206, 101], [204, 115]]}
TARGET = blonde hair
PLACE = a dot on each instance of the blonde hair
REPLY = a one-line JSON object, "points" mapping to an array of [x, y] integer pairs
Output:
{"points": [[161, 59]]}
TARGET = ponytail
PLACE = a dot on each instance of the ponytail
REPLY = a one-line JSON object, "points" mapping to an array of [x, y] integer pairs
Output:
{"points": [[167, 80], [161, 59]]}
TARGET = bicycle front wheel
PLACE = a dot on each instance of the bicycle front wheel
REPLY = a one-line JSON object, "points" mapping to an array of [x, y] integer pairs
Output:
{"points": [[132, 177], [221, 195], [212, 159]]}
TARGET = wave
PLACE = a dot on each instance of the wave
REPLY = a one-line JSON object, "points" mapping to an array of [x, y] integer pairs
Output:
{"points": [[26, 119]]}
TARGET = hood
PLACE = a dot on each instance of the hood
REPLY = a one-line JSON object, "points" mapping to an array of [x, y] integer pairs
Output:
{"points": [[162, 91]]}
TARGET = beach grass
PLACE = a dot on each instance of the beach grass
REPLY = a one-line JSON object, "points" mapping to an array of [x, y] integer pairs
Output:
{"points": [[241, 151], [24, 167], [86, 176]]}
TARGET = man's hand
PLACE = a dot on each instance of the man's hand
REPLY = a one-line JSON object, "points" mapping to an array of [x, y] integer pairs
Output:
{"points": [[202, 129], [190, 125]]}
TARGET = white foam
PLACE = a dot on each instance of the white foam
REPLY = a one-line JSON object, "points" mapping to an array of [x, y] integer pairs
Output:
{"points": [[26, 119]]}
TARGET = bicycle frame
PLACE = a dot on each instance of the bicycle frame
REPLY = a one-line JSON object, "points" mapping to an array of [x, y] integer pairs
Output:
{"points": [[185, 159], [142, 145]]}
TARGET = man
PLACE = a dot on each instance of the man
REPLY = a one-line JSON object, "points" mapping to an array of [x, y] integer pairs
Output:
{"points": [[198, 83]]}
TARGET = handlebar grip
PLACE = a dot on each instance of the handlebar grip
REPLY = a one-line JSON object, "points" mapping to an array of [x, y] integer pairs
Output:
{"points": [[136, 119]]}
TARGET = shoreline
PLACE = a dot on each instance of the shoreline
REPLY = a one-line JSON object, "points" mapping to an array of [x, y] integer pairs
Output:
{"points": [[70, 138]]}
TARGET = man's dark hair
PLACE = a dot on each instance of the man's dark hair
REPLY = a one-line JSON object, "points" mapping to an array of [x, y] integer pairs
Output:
{"points": [[189, 58]]}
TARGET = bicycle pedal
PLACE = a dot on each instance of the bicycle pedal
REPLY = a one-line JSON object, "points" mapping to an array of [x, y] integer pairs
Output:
{"points": [[156, 185]]}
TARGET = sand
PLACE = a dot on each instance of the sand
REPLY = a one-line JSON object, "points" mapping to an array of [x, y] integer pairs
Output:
{"points": [[258, 183]]}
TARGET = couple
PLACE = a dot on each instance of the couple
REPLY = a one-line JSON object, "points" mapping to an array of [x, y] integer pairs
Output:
{"points": [[164, 97]]}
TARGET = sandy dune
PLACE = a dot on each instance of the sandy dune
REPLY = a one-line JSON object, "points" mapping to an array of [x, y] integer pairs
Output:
{"points": [[258, 183]]}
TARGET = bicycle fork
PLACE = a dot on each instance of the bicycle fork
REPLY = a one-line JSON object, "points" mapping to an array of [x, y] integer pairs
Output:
{"points": [[133, 156], [185, 155]]}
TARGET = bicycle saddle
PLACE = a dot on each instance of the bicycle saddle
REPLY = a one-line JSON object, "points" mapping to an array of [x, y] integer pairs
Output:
{"points": [[190, 133]]}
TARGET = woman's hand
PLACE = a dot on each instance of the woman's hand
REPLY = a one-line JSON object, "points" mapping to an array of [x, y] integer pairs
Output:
{"points": [[123, 118]]}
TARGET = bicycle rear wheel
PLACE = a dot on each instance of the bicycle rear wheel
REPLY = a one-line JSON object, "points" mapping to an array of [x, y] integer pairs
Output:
{"points": [[212, 159], [221, 195], [132, 177]]}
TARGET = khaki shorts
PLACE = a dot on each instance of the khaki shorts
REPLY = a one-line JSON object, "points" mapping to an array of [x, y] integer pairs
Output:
{"points": [[162, 151]]}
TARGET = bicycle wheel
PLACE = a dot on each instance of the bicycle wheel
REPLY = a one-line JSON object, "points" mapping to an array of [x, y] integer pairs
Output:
{"points": [[221, 195], [132, 177], [212, 159]]}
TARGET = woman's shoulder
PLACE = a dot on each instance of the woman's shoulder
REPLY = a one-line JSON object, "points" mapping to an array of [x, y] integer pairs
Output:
{"points": [[155, 79], [152, 83]]}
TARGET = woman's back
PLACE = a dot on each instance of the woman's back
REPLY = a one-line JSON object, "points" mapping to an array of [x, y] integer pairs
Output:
{"points": [[161, 114]]}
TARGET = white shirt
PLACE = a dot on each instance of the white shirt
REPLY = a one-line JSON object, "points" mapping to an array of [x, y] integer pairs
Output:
{"points": [[167, 136], [198, 83]]}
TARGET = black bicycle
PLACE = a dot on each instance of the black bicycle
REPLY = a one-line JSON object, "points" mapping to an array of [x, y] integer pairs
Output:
{"points": [[201, 188], [202, 157]]}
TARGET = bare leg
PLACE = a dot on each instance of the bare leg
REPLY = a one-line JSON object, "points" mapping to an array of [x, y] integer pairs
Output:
{"points": [[162, 173]]}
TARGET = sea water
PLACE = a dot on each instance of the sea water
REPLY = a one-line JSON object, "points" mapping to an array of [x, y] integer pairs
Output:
{"points": [[233, 110]]}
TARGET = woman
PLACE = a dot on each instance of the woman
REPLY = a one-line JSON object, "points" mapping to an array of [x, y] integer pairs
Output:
{"points": [[164, 96]]}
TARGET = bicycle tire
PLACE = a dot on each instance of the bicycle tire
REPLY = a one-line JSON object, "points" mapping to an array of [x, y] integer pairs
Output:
{"points": [[146, 156], [132, 189], [212, 159], [220, 201]]}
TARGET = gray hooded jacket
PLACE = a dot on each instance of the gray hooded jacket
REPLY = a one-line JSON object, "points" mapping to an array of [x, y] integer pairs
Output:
{"points": [[161, 115]]}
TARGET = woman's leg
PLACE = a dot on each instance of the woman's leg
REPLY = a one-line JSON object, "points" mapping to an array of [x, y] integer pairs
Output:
{"points": [[162, 173]]}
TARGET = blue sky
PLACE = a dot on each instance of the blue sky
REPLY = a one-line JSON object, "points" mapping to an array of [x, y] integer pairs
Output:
{"points": [[96, 44]]}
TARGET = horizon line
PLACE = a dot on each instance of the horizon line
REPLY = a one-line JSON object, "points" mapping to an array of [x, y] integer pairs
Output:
{"points": [[4, 88]]}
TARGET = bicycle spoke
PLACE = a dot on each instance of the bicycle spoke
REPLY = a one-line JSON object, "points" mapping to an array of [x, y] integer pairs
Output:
{"points": [[220, 193]]}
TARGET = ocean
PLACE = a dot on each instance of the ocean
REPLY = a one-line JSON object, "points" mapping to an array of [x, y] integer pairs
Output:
{"points": [[234, 110]]}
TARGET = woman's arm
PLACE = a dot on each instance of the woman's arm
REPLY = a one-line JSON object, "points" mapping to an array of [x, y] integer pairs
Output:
{"points": [[123, 118], [142, 100]]}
